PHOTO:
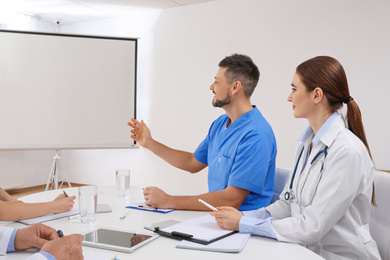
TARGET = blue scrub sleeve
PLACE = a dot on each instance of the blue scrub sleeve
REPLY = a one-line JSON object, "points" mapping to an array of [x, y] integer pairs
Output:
{"points": [[201, 152], [259, 227]]}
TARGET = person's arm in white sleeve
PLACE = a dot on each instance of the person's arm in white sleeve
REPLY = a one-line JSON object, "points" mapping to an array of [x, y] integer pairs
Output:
{"points": [[261, 213], [231, 219], [259, 227]]}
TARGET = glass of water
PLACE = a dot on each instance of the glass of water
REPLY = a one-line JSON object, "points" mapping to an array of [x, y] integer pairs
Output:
{"points": [[123, 182], [88, 203]]}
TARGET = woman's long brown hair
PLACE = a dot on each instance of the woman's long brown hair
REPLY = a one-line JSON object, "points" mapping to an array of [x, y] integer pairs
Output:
{"points": [[326, 73]]}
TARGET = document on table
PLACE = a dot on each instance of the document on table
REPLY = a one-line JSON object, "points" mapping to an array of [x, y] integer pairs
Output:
{"points": [[231, 244], [49, 217], [203, 228]]}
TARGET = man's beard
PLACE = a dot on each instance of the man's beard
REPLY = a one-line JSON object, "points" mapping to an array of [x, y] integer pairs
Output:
{"points": [[221, 103]]}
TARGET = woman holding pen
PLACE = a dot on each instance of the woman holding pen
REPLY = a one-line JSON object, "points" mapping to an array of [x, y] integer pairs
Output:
{"points": [[326, 204], [12, 209]]}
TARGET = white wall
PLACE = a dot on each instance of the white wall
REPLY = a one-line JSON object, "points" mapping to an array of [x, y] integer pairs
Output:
{"points": [[179, 50]]}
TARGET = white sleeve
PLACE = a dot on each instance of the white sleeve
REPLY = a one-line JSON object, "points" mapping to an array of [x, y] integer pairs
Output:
{"points": [[260, 213], [280, 209], [5, 234], [336, 190]]}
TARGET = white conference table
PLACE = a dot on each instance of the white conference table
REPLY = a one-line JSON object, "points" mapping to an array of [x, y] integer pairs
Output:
{"points": [[256, 247]]}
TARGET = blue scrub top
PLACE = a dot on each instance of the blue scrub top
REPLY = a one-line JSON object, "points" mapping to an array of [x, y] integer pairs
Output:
{"points": [[242, 155]]}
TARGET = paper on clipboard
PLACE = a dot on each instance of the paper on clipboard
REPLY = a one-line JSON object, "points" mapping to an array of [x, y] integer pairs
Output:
{"points": [[143, 206], [203, 228]]}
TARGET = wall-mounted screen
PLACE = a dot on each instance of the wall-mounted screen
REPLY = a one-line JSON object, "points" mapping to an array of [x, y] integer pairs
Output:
{"points": [[62, 91]]}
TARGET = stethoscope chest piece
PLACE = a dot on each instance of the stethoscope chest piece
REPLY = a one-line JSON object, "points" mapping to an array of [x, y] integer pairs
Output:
{"points": [[289, 195]]}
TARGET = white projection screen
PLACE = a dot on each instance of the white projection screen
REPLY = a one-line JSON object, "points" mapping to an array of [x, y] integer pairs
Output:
{"points": [[61, 91]]}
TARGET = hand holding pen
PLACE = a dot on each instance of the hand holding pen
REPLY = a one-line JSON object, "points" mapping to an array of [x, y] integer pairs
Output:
{"points": [[63, 203], [227, 217]]}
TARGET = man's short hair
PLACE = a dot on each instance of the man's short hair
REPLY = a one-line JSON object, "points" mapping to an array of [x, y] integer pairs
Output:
{"points": [[241, 68]]}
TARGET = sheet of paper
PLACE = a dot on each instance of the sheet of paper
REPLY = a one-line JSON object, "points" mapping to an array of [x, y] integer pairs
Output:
{"points": [[203, 228], [49, 217], [231, 244]]}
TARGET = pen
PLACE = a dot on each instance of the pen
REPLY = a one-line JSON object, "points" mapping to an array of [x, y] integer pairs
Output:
{"points": [[207, 205], [124, 215], [147, 207], [60, 233], [66, 195]]}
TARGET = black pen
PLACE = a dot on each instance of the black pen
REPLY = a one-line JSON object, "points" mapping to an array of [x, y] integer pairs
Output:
{"points": [[147, 207], [66, 195]]}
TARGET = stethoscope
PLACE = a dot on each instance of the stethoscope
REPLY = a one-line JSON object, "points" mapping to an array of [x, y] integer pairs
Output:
{"points": [[289, 195]]}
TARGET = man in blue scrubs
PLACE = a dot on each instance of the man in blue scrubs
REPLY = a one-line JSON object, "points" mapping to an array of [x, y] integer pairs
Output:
{"points": [[240, 148]]}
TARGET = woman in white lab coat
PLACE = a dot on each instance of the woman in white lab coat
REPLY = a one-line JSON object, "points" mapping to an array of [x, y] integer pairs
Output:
{"points": [[326, 204]]}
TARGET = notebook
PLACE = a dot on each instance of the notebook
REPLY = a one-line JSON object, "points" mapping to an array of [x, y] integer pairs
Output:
{"points": [[49, 217]]}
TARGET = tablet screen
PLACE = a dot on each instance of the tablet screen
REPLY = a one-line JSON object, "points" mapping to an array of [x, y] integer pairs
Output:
{"points": [[115, 238]]}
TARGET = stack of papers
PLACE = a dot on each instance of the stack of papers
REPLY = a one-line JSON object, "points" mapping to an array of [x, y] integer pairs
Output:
{"points": [[205, 229], [231, 244]]}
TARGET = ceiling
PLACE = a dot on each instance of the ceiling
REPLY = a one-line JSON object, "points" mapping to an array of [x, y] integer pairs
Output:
{"points": [[74, 11]]}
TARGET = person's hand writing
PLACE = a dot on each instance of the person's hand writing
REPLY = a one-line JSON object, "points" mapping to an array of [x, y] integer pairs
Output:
{"points": [[140, 132], [63, 203], [155, 197], [227, 218], [65, 248], [34, 236]]}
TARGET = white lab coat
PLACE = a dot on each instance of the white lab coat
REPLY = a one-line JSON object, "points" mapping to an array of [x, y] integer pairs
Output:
{"points": [[5, 235], [332, 213]]}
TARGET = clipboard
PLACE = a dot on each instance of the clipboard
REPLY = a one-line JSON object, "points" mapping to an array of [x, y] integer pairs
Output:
{"points": [[203, 230], [188, 237], [143, 206]]}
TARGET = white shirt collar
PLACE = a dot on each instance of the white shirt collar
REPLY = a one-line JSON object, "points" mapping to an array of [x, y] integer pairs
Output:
{"points": [[309, 131]]}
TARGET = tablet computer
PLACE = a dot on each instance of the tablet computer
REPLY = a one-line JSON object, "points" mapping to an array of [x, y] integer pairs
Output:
{"points": [[116, 239]]}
